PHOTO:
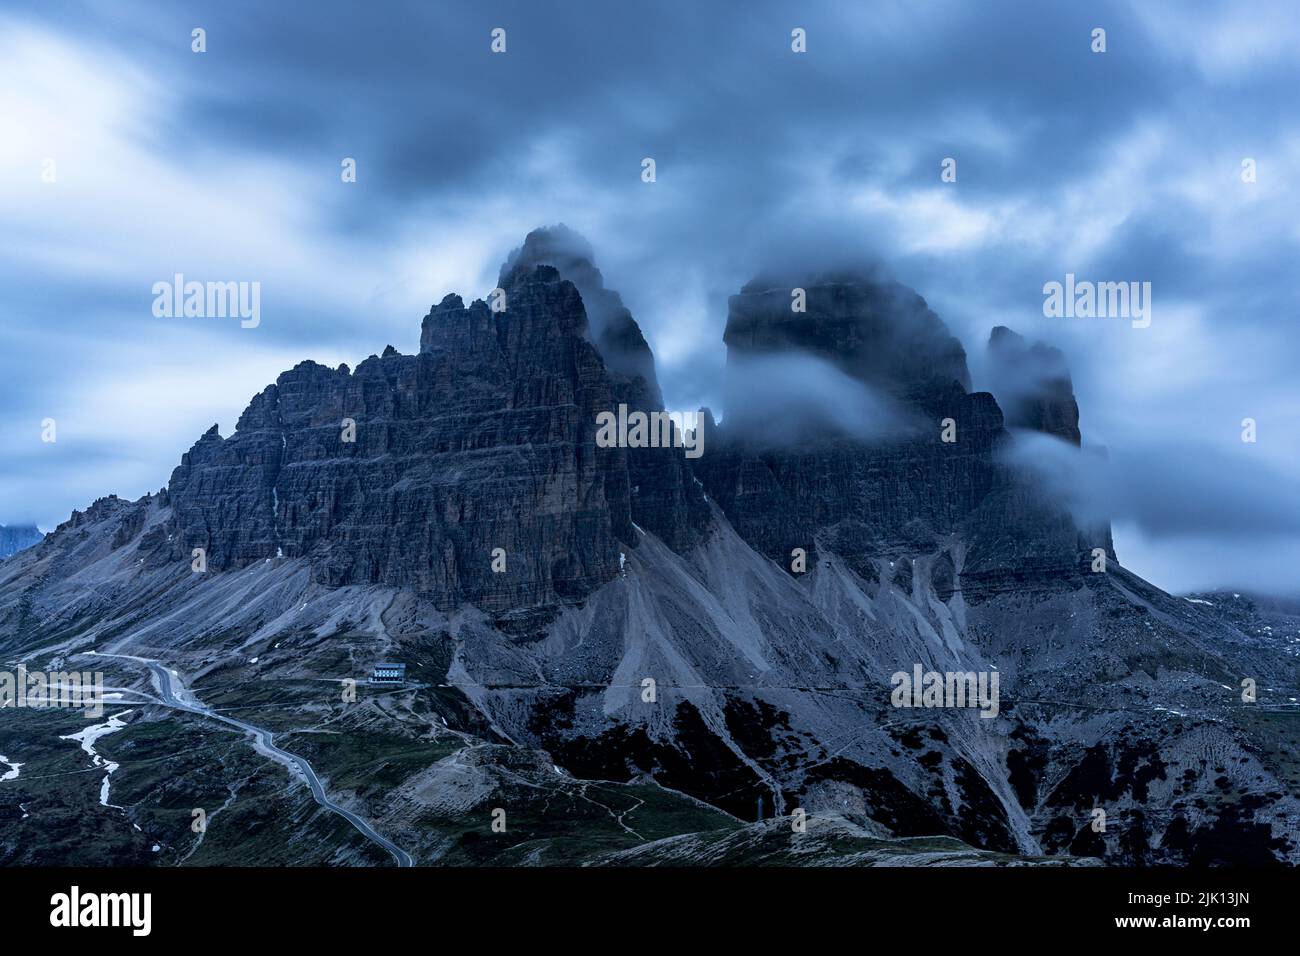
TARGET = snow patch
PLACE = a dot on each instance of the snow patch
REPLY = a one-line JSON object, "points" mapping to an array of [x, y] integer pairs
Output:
{"points": [[87, 740], [12, 772]]}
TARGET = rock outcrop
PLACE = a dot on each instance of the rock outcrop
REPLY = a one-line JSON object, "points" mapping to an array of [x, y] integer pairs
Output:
{"points": [[875, 331], [414, 469], [912, 468], [13, 538], [665, 499], [611, 326], [1032, 385]]}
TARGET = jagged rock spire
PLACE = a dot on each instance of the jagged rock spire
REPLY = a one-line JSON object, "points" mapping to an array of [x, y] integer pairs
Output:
{"points": [[1032, 385], [612, 328]]}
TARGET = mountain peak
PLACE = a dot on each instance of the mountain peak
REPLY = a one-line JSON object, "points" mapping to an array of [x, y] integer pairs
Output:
{"points": [[615, 333], [16, 537], [1032, 385], [557, 246], [872, 329]]}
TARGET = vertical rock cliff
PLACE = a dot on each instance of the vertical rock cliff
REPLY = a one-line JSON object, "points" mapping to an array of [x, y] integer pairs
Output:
{"points": [[412, 469], [894, 457]]}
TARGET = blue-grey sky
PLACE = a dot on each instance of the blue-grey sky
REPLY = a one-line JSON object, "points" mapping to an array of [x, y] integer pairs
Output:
{"points": [[225, 165]]}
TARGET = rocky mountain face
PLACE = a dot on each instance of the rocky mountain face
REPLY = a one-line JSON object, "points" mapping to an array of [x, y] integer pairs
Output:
{"points": [[876, 331], [651, 628], [932, 483], [13, 538], [622, 346], [663, 499], [413, 469], [1032, 385]]}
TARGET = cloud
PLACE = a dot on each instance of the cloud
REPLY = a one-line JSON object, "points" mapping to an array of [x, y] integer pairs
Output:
{"points": [[1167, 491], [783, 399], [1124, 165]]}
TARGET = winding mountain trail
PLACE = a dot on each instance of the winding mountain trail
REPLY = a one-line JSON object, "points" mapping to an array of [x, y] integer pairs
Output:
{"points": [[175, 695]]}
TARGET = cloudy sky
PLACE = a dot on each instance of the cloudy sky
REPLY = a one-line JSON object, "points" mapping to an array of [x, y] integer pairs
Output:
{"points": [[1123, 165]]}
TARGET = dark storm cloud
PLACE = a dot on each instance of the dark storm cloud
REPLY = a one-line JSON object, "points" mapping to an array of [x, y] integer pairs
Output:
{"points": [[1121, 165]]}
